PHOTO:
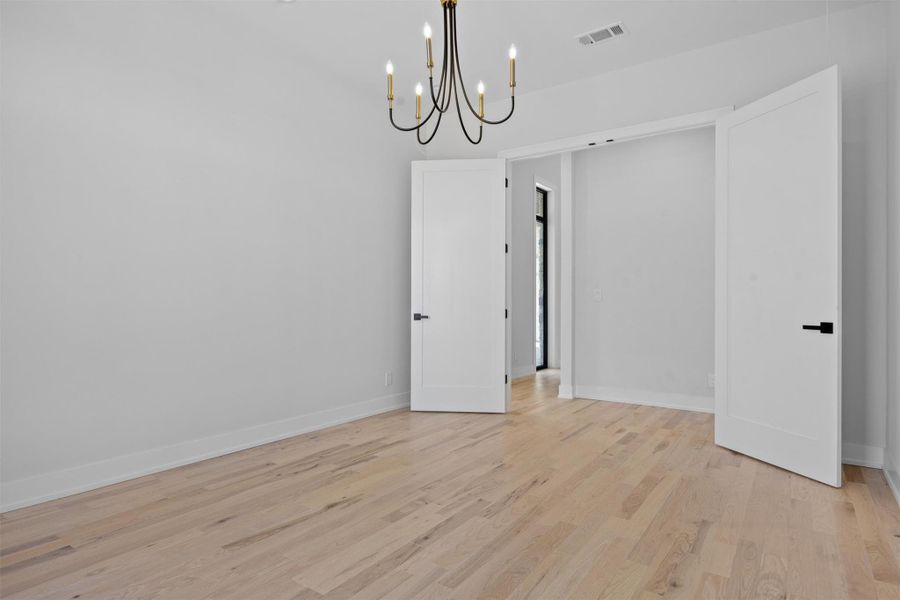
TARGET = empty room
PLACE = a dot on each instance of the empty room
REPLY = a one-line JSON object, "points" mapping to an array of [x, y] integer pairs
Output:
{"points": [[449, 299]]}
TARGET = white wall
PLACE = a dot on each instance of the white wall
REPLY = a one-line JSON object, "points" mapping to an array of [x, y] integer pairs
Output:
{"points": [[737, 72], [526, 174], [644, 279], [892, 455], [194, 258]]}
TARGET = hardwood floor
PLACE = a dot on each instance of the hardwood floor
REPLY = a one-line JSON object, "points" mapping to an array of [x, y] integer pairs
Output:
{"points": [[558, 499]]}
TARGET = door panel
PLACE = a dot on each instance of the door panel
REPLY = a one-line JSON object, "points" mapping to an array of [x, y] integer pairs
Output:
{"points": [[459, 283], [778, 262]]}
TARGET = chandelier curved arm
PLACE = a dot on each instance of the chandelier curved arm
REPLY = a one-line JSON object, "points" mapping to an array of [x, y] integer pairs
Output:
{"points": [[461, 123], [399, 127], [440, 102], [512, 108], [443, 106], [437, 126], [462, 84], [414, 127]]}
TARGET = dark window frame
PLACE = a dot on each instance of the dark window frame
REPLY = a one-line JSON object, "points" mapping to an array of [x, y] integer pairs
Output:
{"points": [[542, 219]]}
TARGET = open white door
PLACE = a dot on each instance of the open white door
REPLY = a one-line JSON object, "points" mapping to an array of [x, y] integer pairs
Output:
{"points": [[778, 278], [458, 347]]}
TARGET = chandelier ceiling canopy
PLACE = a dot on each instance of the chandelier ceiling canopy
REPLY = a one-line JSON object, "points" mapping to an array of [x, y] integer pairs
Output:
{"points": [[449, 86]]}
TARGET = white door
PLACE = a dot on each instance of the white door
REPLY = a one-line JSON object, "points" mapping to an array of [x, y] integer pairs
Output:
{"points": [[778, 278], [459, 286]]}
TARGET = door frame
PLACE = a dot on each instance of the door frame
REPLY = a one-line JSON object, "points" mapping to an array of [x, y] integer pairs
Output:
{"points": [[565, 147]]}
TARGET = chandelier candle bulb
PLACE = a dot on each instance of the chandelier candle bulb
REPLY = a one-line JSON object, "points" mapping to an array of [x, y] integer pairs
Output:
{"points": [[481, 100], [389, 68], [512, 67], [430, 61], [418, 101]]}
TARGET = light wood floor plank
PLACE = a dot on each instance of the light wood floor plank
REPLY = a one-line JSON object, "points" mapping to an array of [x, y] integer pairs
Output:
{"points": [[557, 499]]}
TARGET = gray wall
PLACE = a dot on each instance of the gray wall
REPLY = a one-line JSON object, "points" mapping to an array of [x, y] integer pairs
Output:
{"points": [[192, 260], [644, 250], [525, 175]]}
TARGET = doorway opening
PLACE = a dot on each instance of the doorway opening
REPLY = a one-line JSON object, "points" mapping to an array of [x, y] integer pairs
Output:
{"points": [[553, 161], [540, 284]]}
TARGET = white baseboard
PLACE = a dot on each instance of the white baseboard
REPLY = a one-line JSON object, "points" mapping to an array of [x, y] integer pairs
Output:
{"points": [[565, 392], [893, 478], [49, 486], [862, 455], [522, 371], [705, 404]]}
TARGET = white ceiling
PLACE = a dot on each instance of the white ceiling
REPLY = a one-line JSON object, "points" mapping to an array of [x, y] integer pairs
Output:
{"points": [[355, 38]]}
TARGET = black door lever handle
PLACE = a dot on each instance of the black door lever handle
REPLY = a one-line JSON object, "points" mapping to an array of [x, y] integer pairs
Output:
{"points": [[419, 316], [823, 327]]}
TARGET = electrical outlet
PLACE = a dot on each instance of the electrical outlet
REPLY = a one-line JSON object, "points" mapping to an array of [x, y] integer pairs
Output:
{"points": [[711, 381], [388, 379]]}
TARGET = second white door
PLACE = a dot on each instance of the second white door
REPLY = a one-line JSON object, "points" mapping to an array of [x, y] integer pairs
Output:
{"points": [[459, 286], [778, 278]]}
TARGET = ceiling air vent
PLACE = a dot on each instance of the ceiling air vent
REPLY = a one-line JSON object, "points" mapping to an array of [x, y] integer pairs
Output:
{"points": [[600, 35]]}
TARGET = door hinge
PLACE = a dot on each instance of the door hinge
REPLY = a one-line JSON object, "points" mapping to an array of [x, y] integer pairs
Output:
{"points": [[506, 248], [507, 182], [505, 313], [506, 379]]}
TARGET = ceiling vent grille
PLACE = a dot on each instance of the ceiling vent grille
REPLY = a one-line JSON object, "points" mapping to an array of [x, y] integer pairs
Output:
{"points": [[601, 35]]}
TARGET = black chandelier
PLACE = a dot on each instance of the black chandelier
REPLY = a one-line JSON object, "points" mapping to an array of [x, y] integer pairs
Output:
{"points": [[447, 91]]}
